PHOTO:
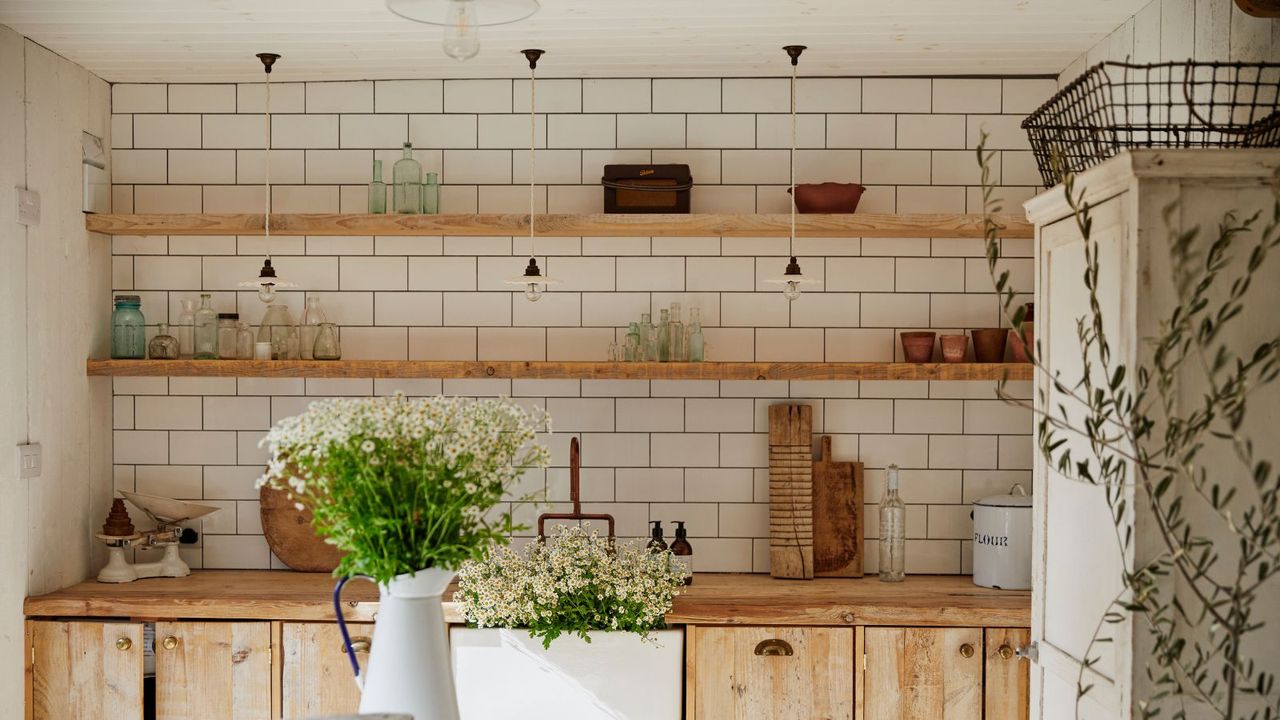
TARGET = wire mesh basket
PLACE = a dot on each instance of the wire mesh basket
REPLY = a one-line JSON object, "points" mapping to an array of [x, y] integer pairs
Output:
{"points": [[1114, 106]]}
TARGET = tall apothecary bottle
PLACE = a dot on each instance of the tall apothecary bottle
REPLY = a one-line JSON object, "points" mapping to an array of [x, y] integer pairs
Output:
{"points": [[697, 344], [312, 318], [893, 530], [406, 175], [377, 191], [186, 329], [206, 330]]}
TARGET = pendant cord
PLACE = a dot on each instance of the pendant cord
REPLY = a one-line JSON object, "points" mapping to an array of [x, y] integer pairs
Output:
{"points": [[792, 244], [533, 141], [266, 114]]}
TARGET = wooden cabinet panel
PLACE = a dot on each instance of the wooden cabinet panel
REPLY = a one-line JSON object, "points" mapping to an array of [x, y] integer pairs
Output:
{"points": [[916, 673], [317, 675], [213, 669], [1008, 683], [86, 669], [735, 676]]}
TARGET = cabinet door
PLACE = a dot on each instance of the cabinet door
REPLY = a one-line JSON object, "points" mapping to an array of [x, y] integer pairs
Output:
{"points": [[782, 673], [913, 673], [213, 670], [1008, 683], [86, 670], [317, 675]]}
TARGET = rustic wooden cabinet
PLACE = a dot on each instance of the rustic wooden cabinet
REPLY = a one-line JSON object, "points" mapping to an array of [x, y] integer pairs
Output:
{"points": [[910, 673], [85, 669], [317, 676], [1007, 685]]}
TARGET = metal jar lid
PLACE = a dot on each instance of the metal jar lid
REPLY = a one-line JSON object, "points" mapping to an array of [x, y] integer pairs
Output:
{"points": [[1017, 498]]}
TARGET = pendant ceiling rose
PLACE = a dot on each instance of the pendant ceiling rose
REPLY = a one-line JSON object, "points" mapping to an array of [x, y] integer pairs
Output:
{"points": [[486, 12]]}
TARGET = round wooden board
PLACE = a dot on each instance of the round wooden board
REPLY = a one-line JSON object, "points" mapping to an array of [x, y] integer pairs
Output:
{"points": [[290, 536]]}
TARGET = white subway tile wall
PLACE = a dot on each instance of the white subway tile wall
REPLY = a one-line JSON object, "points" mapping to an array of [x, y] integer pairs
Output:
{"points": [[660, 450]]}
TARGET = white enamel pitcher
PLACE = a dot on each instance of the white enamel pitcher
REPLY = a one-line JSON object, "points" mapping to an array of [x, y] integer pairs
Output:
{"points": [[409, 669]]}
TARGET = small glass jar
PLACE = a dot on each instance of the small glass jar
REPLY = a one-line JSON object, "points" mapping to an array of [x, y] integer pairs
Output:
{"points": [[128, 329], [228, 331], [244, 342], [327, 346], [276, 325], [163, 346]]}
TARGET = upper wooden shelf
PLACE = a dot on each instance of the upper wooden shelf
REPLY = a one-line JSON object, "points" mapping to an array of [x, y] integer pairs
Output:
{"points": [[523, 369], [593, 225]]}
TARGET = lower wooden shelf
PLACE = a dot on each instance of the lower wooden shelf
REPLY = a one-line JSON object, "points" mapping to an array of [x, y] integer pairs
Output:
{"points": [[549, 370]]}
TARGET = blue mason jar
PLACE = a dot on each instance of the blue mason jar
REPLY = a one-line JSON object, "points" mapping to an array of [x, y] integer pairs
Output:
{"points": [[128, 329]]}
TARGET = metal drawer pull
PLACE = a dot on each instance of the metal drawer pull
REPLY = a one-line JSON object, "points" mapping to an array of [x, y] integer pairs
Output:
{"points": [[169, 642], [966, 650], [124, 644], [774, 647], [1006, 652], [360, 645]]}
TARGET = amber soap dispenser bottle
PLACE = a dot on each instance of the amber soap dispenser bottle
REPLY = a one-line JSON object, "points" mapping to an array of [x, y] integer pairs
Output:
{"points": [[683, 551], [656, 543]]}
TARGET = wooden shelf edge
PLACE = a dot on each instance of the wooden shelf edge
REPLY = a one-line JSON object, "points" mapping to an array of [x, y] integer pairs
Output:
{"points": [[559, 370], [932, 225]]}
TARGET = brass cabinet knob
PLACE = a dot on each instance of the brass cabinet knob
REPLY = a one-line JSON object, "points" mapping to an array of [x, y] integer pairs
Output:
{"points": [[966, 650], [774, 647], [169, 642], [361, 644], [848, 617], [1006, 652], [124, 644]]}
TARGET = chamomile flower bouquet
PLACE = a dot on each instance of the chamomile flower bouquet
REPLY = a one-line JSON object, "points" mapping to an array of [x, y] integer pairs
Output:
{"points": [[404, 484], [571, 583]]}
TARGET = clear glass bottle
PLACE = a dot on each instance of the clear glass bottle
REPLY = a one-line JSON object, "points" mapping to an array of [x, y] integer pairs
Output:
{"points": [[675, 332], [406, 176], [163, 346], [205, 330], [664, 340], [275, 328], [893, 530], [696, 344], [633, 350], [128, 329], [244, 341], [327, 346], [186, 329], [312, 318], [648, 346], [431, 194], [291, 345], [228, 329], [377, 191]]}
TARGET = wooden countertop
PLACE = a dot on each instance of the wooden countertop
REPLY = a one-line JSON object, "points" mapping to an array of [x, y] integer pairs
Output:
{"points": [[713, 599]]}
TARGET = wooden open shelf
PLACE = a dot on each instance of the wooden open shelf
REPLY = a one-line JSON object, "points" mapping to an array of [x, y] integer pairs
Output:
{"points": [[521, 369], [943, 225]]}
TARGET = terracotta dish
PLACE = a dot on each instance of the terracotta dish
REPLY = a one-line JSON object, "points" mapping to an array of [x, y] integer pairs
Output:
{"points": [[828, 197]]}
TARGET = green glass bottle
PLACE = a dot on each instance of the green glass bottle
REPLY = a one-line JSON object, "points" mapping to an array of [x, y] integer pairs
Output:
{"points": [[430, 195], [377, 191], [406, 175]]}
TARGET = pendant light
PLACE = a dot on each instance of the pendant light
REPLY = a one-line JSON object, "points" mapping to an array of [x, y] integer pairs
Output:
{"points": [[792, 278], [267, 282], [462, 19], [533, 281]]}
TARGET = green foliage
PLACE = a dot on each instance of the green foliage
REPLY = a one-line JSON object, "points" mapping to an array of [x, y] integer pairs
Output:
{"points": [[1196, 600]]}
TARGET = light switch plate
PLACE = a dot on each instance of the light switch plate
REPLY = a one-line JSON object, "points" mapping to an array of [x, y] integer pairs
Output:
{"points": [[29, 460], [28, 207]]}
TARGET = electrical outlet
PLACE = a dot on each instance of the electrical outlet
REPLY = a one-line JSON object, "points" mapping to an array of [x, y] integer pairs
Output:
{"points": [[29, 460], [28, 207]]}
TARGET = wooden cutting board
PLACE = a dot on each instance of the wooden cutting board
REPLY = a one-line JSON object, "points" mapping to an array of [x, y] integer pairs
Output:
{"points": [[837, 515], [791, 491], [290, 535]]}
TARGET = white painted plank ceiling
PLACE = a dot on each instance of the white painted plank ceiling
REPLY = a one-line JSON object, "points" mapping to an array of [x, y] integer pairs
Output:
{"points": [[214, 40]]}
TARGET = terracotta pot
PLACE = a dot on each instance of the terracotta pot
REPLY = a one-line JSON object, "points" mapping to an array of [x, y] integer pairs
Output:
{"points": [[989, 344], [1018, 351], [828, 197], [954, 348], [917, 347]]}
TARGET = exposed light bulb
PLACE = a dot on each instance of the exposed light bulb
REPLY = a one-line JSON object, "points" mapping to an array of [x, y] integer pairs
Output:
{"points": [[461, 37], [791, 290], [266, 292], [532, 292]]}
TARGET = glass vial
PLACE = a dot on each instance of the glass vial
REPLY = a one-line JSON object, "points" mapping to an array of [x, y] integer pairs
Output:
{"points": [[326, 343], [675, 331], [312, 318], [228, 335], [163, 346], [406, 175], [244, 342], [128, 329], [377, 191], [431, 194], [186, 329], [205, 331], [683, 551], [893, 530], [696, 344], [648, 346], [632, 351], [664, 340]]}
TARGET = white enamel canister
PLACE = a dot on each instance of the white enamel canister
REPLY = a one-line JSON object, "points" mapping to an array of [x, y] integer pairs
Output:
{"points": [[1002, 540]]}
